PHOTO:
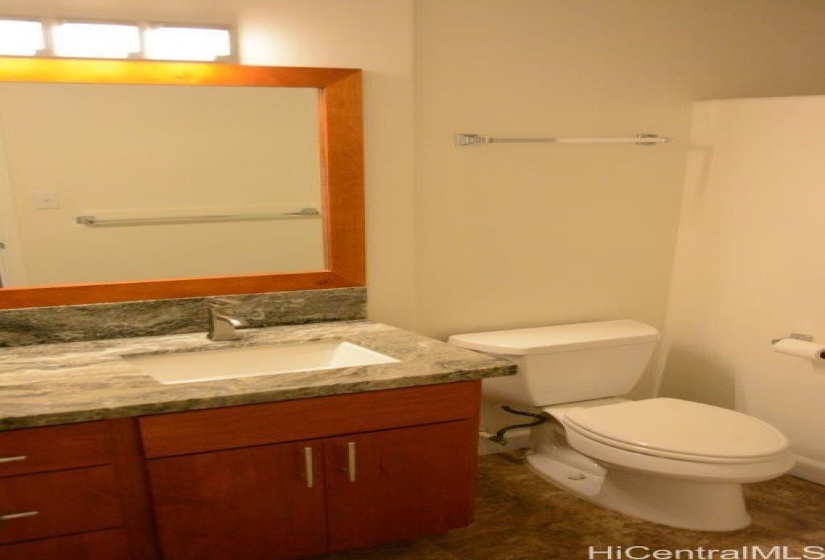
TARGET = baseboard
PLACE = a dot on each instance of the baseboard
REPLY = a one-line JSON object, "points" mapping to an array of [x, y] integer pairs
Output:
{"points": [[809, 469], [516, 439]]}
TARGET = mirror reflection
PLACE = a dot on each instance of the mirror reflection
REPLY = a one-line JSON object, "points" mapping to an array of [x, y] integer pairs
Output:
{"points": [[183, 181]]}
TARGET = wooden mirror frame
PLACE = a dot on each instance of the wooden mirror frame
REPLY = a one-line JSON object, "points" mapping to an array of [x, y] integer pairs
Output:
{"points": [[342, 157]]}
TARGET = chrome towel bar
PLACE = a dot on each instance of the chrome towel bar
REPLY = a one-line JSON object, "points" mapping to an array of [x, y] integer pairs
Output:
{"points": [[94, 221], [639, 139]]}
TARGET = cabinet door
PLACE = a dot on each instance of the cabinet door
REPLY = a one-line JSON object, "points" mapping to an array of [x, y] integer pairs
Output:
{"points": [[400, 484], [243, 504]]}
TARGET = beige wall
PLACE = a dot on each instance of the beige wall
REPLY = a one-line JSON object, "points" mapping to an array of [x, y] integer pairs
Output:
{"points": [[523, 235], [749, 268]]}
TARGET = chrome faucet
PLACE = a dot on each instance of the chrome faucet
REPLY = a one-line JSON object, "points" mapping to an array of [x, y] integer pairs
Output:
{"points": [[222, 325]]}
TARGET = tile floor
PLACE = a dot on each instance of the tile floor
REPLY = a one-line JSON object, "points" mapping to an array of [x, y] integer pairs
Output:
{"points": [[521, 517]]}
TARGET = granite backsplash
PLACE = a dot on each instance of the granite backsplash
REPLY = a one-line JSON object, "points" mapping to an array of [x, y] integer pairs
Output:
{"points": [[76, 323]]}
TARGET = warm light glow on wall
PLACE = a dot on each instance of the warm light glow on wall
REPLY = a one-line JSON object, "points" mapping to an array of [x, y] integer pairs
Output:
{"points": [[95, 40], [100, 39], [21, 38], [187, 43]]}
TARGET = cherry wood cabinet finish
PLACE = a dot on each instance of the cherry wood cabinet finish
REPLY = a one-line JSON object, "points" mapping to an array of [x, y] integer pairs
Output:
{"points": [[67, 502], [387, 465], [255, 503], [97, 545], [400, 484], [78, 477], [243, 504], [133, 490], [235, 482], [257, 424], [69, 446]]}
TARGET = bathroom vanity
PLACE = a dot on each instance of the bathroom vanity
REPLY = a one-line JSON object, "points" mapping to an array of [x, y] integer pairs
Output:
{"points": [[101, 460], [118, 465]]}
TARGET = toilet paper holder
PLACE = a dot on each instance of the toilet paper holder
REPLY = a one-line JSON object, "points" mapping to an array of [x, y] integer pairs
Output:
{"points": [[797, 336]]}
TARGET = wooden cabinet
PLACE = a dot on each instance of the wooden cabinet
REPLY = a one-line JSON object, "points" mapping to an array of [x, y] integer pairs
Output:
{"points": [[399, 484], [270, 481], [67, 493], [56, 481], [257, 502], [375, 468]]}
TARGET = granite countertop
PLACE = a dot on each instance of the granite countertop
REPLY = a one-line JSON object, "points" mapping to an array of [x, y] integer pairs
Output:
{"points": [[81, 381]]}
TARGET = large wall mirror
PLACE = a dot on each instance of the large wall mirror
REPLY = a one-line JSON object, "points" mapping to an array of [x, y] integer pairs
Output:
{"points": [[133, 180]]}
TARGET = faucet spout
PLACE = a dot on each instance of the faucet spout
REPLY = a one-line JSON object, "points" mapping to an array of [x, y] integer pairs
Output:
{"points": [[222, 326]]}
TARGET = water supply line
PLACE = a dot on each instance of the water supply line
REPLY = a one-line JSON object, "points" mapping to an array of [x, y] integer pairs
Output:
{"points": [[499, 436]]}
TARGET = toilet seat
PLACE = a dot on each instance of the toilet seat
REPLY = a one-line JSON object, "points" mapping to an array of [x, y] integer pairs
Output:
{"points": [[677, 429]]}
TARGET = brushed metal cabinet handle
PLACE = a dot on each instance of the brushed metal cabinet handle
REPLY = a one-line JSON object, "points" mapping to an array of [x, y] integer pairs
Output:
{"points": [[13, 459], [352, 461], [10, 516], [309, 469]]}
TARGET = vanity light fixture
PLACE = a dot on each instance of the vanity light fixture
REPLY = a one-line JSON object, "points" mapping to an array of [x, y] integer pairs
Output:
{"points": [[95, 40], [115, 40], [186, 43], [20, 37]]}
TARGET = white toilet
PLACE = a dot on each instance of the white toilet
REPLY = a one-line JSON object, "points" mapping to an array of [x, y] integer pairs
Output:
{"points": [[670, 461]]}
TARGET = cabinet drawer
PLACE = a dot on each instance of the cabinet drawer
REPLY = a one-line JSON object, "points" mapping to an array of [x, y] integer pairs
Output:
{"points": [[58, 503], [97, 545], [258, 424], [57, 447]]}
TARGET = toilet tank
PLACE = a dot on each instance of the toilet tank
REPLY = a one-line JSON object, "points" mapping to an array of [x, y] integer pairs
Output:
{"points": [[566, 363]]}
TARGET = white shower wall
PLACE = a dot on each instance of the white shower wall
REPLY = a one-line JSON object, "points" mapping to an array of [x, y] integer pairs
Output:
{"points": [[750, 266]]}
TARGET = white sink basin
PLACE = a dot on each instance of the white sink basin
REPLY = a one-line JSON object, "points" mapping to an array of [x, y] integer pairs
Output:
{"points": [[251, 361]]}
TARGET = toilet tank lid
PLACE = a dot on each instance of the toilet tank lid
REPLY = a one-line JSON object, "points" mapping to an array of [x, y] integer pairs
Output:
{"points": [[558, 338]]}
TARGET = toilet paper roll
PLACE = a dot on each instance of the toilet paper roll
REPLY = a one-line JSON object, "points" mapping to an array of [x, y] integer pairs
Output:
{"points": [[801, 348]]}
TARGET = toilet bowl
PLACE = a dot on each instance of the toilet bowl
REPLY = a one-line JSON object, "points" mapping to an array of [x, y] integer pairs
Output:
{"points": [[669, 461]]}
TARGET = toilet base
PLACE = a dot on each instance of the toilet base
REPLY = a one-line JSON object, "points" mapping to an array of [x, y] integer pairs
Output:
{"points": [[681, 503], [582, 482]]}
